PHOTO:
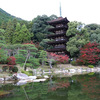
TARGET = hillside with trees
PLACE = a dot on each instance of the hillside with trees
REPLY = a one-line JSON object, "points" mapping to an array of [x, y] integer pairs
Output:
{"points": [[4, 16]]}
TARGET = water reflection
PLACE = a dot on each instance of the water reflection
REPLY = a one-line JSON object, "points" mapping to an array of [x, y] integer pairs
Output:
{"points": [[78, 87]]}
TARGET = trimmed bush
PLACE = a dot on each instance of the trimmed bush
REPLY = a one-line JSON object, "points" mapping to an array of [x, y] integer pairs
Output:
{"points": [[74, 63], [26, 72], [4, 68], [90, 66], [15, 69], [10, 67], [11, 60]]}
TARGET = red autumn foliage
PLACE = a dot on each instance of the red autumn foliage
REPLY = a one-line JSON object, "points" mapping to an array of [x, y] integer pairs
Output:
{"points": [[11, 60], [89, 54], [30, 43], [60, 58]]}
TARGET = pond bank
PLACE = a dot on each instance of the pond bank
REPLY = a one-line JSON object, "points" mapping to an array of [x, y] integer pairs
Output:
{"points": [[62, 70]]}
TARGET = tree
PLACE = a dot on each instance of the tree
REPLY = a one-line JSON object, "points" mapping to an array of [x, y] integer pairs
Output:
{"points": [[40, 26], [11, 60], [2, 40], [26, 52], [43, 57], [40, 37], [44, 44], [3, 57], [2, 32], [3, 25], [16, 34], [94, 32], [89, 54], [78, 37], [9, 32], [62, 59], [24, 34]]}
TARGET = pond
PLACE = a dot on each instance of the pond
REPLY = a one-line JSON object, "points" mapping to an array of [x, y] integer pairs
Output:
{"points": [[77, 87]]}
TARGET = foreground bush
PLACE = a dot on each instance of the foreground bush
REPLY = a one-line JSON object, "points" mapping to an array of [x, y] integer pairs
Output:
{"points": [[15, 69], [63, 59], [90, 66], [5, 68], [27, 72], [74, 63], [89, 54], [11, 60]]}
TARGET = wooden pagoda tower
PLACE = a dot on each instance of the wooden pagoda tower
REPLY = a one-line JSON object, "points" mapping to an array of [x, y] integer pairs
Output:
{"points": [[59, 38]]}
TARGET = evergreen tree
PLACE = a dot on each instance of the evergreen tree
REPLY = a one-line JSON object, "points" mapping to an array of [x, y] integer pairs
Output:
{"points": [[9, 32], [78, 37], [40, 27], [2, 32], [16, 34], [94, 32], [24, 34], [3, 25]]}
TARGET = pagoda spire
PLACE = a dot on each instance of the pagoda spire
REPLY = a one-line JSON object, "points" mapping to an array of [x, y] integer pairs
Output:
{"points": [[60, 10]]}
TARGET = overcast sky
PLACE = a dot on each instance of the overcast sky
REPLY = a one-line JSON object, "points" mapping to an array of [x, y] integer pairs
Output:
{"points": [[85, 11]]}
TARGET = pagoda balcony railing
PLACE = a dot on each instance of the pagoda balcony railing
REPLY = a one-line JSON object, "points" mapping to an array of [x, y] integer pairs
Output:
{"points": [[59, 41], [61, 46], [56, 35], [56, 50], [58, 28]]}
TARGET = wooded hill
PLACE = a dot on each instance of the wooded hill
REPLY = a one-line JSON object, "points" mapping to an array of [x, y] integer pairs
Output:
{"points": [[4, 16]]}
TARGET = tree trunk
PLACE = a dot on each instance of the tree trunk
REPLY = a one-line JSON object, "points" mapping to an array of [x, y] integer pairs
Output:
{"points": [[25, 61], [50, 64]]}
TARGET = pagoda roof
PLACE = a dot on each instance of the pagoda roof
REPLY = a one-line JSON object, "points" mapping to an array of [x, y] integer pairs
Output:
{"points": [[58, 21]]}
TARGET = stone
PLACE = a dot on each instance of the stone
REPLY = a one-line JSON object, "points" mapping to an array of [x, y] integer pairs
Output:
{"points": [[72, 70], [22, 76], [21, 82], [79, 70], [45, 76], [1, 79], [0, 70], [32, 77], [39, 80]]}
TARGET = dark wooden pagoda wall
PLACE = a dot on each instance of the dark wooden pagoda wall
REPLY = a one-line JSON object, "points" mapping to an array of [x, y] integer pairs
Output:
{"points": [[59, 38]]}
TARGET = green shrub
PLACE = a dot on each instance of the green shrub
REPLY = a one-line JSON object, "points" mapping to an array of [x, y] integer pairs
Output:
{"points": [[4, 60], [4, 68], [28, 65], [21, 64], [26, 72], [74, 63], [34, 61], [90, 66], [15, 69], [31, 72]]}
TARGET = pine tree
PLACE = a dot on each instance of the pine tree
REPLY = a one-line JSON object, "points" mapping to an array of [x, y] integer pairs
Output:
{"points": [[24, 34], [9, 32], [16, 34]]}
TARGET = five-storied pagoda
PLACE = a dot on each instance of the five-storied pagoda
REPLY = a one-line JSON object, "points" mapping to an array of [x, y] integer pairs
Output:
{"points": [[59, 38]]}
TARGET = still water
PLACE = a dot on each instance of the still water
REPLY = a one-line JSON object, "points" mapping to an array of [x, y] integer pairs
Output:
{"points": [[78, 87]]}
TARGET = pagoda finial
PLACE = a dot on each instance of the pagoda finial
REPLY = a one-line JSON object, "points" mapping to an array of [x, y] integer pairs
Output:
{"points": [[60, 10]]}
